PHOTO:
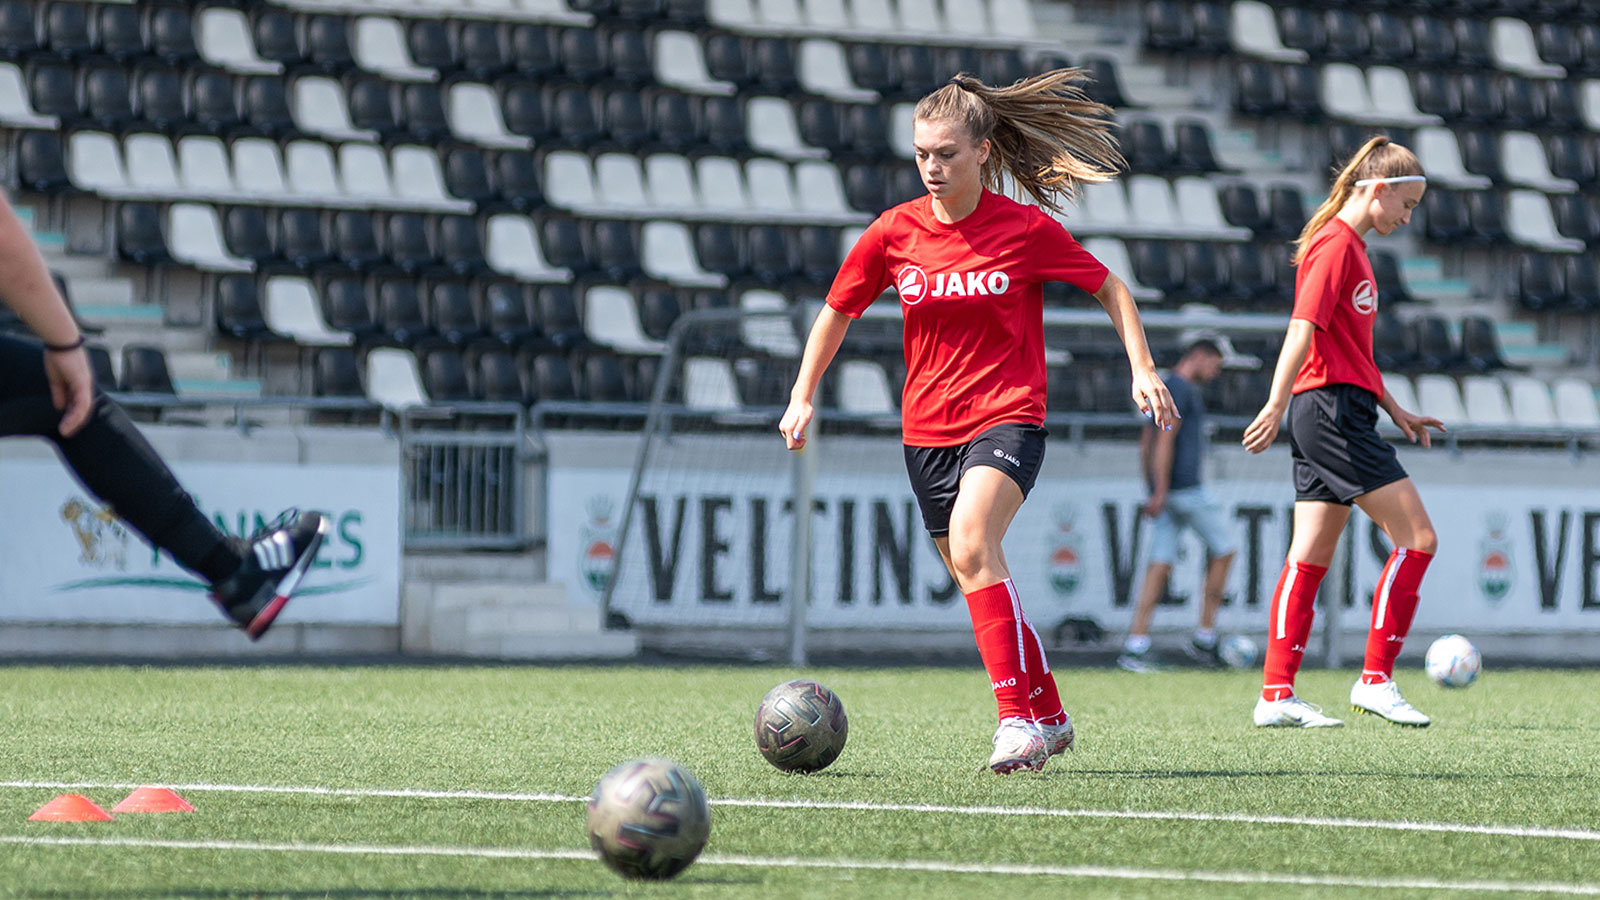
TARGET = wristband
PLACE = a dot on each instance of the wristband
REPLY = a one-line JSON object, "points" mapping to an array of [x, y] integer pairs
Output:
{"points": [[68, 348]]}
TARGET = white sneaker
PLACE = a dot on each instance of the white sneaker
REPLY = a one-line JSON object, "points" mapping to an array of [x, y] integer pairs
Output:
{"points": [[1018, 744], [1383, 700], [1291, 712], [1057, 738]]}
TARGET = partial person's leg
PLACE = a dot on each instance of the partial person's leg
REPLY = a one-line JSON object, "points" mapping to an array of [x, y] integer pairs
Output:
{"points": [[986, 502], [1216, 582], [1156, 576], [116, 464], [1317, 526], [1398, 510]]}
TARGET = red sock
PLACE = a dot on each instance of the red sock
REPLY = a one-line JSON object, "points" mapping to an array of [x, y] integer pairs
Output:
{"points": [[1394, 603], [1293, 606], [997, 624], [1043, 701]]}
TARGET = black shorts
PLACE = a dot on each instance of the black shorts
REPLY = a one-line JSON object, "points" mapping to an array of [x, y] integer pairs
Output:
{"points": [[1338, 456], [1015, 448]]}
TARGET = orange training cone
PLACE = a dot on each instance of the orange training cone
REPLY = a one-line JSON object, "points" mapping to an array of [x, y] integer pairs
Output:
{"points": [[70, 808], [152, 800]]}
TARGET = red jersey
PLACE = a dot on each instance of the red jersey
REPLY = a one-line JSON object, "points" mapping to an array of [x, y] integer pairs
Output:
{"points": [[974, 309], [1334, 289]]}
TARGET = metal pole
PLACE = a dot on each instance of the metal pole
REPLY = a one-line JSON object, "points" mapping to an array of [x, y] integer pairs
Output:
{"points": [[805, 474]]}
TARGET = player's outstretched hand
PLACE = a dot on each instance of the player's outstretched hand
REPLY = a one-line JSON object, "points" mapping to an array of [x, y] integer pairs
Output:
{"points": [[1262, 430], [71, 387], [1415, 427], [794, 423], [1151, 396]]}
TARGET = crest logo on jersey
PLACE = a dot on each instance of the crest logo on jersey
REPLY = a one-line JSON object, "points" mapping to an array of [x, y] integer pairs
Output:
{"points": [[912, 285], [1364, 298]]}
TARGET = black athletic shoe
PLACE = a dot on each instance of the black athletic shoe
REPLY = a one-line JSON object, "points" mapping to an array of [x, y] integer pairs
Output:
{"points": [[275, 559]]}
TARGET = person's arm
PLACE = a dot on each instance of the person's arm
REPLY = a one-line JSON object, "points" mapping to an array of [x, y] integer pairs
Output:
{"points": [[1149, 392], [27, 288], [1162, 449], [827, 333], [1296, 344]]}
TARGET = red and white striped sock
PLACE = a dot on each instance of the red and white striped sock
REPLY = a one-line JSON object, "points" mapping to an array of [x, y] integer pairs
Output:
{"points": [[997, 624], [1394, 604], [1043, 700], [1289, 625]]}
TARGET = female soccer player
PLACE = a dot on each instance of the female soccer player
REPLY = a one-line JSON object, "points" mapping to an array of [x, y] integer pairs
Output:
{"points": [[1328, 382], [49, 391], [968, 263]]}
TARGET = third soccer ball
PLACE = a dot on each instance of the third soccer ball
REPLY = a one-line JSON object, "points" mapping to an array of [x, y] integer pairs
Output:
{"points": [[801, 726], [649, 819], [1453, 662], [1238, 651]]}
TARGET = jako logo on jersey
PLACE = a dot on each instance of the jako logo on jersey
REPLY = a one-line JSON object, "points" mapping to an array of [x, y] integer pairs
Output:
{"points": [[1009, 682], [970, 284], [1007, 457], [1364, 298], [912, 285]]}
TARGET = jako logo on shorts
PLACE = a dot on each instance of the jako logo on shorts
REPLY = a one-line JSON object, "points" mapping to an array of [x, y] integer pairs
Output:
{"points": [[912, 285], [1007, 457], [1364, 298]]}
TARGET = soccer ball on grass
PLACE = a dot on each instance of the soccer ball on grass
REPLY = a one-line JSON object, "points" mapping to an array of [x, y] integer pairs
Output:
{"points": [[649, 819], [801, 726], [1237, 651], [1453, 662]]}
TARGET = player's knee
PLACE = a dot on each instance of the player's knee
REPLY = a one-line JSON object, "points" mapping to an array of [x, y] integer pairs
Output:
{"points": [[1424, 540], [968, 557]]}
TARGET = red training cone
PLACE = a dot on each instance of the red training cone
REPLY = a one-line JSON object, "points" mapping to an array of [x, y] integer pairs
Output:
{"points": [[70, 808], [152, 800]]}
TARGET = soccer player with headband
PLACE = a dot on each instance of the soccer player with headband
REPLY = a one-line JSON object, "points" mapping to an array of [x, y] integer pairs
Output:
{"points": [[968, 264], [1328, 383]]}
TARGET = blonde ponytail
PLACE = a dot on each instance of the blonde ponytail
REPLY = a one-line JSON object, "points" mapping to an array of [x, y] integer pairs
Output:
{"points": [[1044, 131], [1379, 157]]}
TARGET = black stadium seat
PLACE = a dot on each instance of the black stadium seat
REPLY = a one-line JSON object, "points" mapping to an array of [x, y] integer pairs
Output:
{"points": [[523, 105], [1539, 282], [1193, 153], [582, 58], [658, 309], [139, 235], [819, 253], [1522, 101], [275, 37], [399, 312], [17, 35], [1106, 86], [1486, 212], [105, 376], [1392, 42], [616, 252], [865, 188], [107, 96], [429, 42], [1558, 44], [718, 246], [327, 44], [1434, 41], [480, 50], [1168, 26], [41, 163], [1205, 274], [1258, 89], [144, 371], [460, 245], [1576, 217], [1574, 157], [626, 122], [768, 254], [159, 98], [335, 373], [870, 69], [118, 32], [1480, 154], [245, 231], [1302, 93], [354, 241], [238, 308], [346, 307], [444, 377], [213, 104], [1582, 280], [452, 312], [533, 51], [505, 313], [52, 89], [550, 378], [562, 242], [1213, 27], [1444, 216], [603, 380], [518, 181], [574, 117], [1473, 44], [558, 316], [1302, 28], [66, 30], [371, 102], [772, 64], [629, 52], [264, 104], [1155, 264], [1144, 144], [1480, 101], [1286, 210], [914, 62], [171, 35], [728, 59], [867, 128], [673, 122], [1386, 272], [819, 124], [498, 378], [1392, 347], [406, 239], [1563, 106], [1348, 38], [300, 239], [422, 112], [1480, 346], [1437, 94], [723, 119], [1435, 350], [466, 175]]}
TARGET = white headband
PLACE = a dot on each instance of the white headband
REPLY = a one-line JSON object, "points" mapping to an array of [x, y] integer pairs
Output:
{"points": [[1390, 180]]}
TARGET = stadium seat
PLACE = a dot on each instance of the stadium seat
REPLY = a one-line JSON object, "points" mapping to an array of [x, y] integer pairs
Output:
{"points": [[1440, 156], [558, 316], [1157, 266], [1539, 282], [1392, 342], [1486, 212], [498, 378], [152, 167], [258, 168], [364, 173], [619, 182], [158, 96], [1577, 216], [223, 39], [380, 47], [1573, 158], [466, 176], [1437, 94], [1169, 27], [611, 317], [107, 96], [119, 33], [237, 308], [291, 310], [614, 250], [718, 249], [1530, 223], [1575, 403], [66, 30], [300, 239], [1444, 216], [516, 179], [1258, 90], [505, 313], [551, 379], [1480, 102], [144, 371], [1438, 396], [1582, 282], [582, 58], [310, 173], [422, 112], [1114, 256], [461, 245], [768, 254], [772, 128], [603, 379], [418, 179], [513, 249], [709, 385], [393, 379], [480, 49], [1480, 346], [681, 62], [1484, 400], [1251, 274], [1531, 403], [246, 234], [346, 307], [626, 120], [1241, 207], [18, 36], [399, 312], [195, 235], [1286, 210], [1514, 50], [659, 308], [1402, 392], [1522, 102], [564, 244], [169, 30], [264, 106], [335, 373], [818, 254], [1563, 106], [1431, 338], [140, 239], [212, 104], [444, 376], [327, 44], [1392, 41], [406, 238], [41, 163], [1386, 272]]}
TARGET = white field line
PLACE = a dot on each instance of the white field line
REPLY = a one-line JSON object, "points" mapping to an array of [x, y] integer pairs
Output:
{"points": [[1123, 873], [1520, 831]]}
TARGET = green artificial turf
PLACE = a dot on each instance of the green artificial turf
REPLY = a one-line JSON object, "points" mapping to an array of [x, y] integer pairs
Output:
{"points": [[1517, 749]]}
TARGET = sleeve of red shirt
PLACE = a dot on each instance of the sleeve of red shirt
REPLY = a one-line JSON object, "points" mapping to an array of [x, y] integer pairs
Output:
{"points": [[863, 275], [1328, 267], [1057, 255]]}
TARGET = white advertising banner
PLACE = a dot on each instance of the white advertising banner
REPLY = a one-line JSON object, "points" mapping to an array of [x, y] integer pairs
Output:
{"points": [[68, 560], [712, 549]]}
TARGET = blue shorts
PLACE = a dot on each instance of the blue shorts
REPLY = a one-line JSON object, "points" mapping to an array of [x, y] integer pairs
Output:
{"points": [[1196, 509]]}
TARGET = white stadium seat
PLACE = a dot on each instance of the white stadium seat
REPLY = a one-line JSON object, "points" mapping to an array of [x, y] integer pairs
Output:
{"points": [[475, 117], [819, 189], [1575, 403], [94, 162], [611, 317], [708, 385], [1512, 43], [203, 166], [1254, 30], [569, 180], [1399, 388], [680, 63], [222, 35], [823, 70], [194, 234], [393, 380], [1485, 401], [1532, 405], [671, 182], [721, 182], [619, 181], [1529, 221], [152, 168], [364, 172], [379, 45], [513, 249], [1438, 396], [772, 334], [1525, 163], [311, 170], [668, 253], [1440, 155], [290, 309], [771, 185], [864, 388], [16, 108], [770, 127], [320, 108]]}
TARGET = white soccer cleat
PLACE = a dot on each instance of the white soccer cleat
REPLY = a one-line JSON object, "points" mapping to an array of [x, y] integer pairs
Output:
{"points": [[1018, 744], [1057, 738], [1291, 712], [1383, 699]]}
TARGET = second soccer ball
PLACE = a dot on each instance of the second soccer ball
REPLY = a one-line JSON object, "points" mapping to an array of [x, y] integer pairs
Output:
{"points": [[801, 726]]}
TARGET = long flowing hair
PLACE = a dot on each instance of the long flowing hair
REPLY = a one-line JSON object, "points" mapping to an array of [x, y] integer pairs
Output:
{"points": [[1045, 132], [1379, 157]]}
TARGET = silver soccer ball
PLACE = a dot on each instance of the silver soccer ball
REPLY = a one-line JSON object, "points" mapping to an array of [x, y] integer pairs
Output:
{"points": [[1453, 662], [801, 726], [1237, 651], [649, 819]]}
